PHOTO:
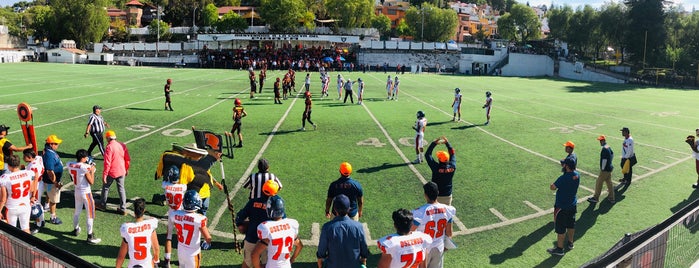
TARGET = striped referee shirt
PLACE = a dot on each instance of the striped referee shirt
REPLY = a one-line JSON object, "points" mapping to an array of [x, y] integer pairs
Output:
{"points": [[255, 182], [96, 123]]}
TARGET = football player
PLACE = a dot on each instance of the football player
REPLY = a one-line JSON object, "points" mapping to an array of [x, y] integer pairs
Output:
{"points": [[419, 128], [456, 105], [263, 76], [281, 235], [395, 89], [83, 175], [340, 84], [487, 106], [35, 164], [253, 83], [404, 248], [277, 95], [168, 104], [307, 113], [15, 194], [191, 227], [360, 94], [174, 195], [238, 114], [389, 87], [434, 219], [138, 238]]}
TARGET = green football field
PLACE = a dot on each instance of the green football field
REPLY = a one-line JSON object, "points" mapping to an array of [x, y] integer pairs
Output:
{"points": [[504, 169]]}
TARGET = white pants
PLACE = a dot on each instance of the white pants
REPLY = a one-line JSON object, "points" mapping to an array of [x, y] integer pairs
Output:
{"points": [[188, 258], [435, 259], [84, 199], [22, 214]]}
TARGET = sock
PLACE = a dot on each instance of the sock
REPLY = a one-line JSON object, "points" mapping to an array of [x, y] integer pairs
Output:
{"points": [[167, 256], [90, 223]]}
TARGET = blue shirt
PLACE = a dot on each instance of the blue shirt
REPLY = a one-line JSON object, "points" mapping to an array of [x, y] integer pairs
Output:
{"points": [[52, 162], [342, 243], [256, 211], [442, 173], [349, 187], [566, 195]]}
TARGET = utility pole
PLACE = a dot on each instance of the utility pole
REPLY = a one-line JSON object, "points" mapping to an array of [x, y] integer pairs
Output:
{"points": [[158, 33]]}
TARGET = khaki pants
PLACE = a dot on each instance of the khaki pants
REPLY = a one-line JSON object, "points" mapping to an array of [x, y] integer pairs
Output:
{"points": [[606, 178], [247, 254], [444, 200]]}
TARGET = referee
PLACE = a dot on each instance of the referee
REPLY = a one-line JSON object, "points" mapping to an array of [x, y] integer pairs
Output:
{"points": [[257, 180], [95, 128]]}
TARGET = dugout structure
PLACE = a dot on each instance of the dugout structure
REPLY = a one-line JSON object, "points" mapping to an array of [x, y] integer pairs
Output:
{"points": [[671, 243], [19, 249]]}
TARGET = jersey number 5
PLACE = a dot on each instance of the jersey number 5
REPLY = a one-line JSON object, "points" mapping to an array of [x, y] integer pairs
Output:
{"points": [[140, 252], [24, 191]]}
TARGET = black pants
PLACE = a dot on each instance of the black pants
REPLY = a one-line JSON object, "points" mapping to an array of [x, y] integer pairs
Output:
{"points": [[349, 93], [97, 140], [628, 176], [306, 117]]}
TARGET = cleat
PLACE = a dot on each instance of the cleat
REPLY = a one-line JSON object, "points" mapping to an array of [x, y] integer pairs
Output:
{"points": [[570, 245], [302, 129], [56, 221], [76, 231], [315, 126], [121, 212], [592, 200], [92, 240], [100, 207], [556, 251]]}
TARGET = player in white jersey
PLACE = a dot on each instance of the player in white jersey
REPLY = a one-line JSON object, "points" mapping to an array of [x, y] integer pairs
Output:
{"points": [[174, 195], [83, 175], [419, 128], [280, 235], [456, 105], [396, 83], [360, 94], [15, 193], [404, 248], [389, 87], [487, 106], [340, 84], [35, 164], [324, 81], [138, 238], [191, 227], [434, 219]]}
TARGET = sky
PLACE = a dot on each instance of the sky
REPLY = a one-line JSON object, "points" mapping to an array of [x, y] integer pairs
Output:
{"points": [[688, 4]]}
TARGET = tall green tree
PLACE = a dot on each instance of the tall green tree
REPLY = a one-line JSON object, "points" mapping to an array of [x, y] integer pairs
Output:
{"points": [[351, 13], [383, 24], [84, 21], [431, 24], [161, 32], [521, 25], [559, 21], [282, 15], [584, 30], [209, 16], [231, 22], [41, 21], [223, 3], [647, 35], [614, 25]]}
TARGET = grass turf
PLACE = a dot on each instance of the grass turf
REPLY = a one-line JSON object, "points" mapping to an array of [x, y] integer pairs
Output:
{"points": [[503, 170]]}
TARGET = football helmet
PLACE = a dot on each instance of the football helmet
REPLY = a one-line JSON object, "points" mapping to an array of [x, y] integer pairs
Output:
{"points": [[487, 93], [420, 114], [238, 102], [275, 207], [36, 211], [457, 90], [173, 174], [191, 200]]}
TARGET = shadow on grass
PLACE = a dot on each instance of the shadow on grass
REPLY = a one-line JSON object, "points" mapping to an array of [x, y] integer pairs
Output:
{"points": [[588, 217], [66, 241], [550, 262], [522, 244], [336, 104], [439, 123], [383, 166], [468, 126], [693, 196], [144, 109], [281, 132]]}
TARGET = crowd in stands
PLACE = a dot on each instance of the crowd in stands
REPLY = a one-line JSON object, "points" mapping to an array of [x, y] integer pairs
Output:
{"points": [[287, 56]]}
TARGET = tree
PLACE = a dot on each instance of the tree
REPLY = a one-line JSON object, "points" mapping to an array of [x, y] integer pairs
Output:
{"points": [[164, 32], [308, 20], [41, 21], [383, 24], [521, 25], [559, 22], [84, 21], [282, 15], [351, 13], [584, 29], [402, 29], [647, 36], [614, 24], [209, 15], [429, 23], [118, 32], [223, 3], [231, 21]]}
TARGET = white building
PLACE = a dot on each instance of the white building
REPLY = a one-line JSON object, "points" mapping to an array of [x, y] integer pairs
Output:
{"points": [[66, 53]]}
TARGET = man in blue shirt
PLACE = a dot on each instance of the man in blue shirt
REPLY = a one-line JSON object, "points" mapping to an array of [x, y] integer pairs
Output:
{"points": [[52, 175], [342, 241], [565, 207], [442, 171], [350, 188]]}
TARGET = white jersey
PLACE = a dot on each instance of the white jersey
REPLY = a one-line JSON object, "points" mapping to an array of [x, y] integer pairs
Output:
{"points": [[389, 84], [627, 150], [77, 172], [405, 250], [308, 80], [281, 235], [36, 165], [420, 125], [18, 184], [174, 194], [340, 82], [432, 219], [187, 225], [395, 84], [457, 100], [138, 236], [488, 102]]}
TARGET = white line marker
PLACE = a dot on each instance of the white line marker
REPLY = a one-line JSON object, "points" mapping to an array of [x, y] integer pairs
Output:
{"points": [[529, 204], [646, 168], [498, 214], [662, 163]]}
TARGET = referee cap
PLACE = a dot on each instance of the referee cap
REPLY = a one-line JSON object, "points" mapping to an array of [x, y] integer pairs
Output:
{"points": [[442, 156], [110, 135], [270, 188], [345, 169]]}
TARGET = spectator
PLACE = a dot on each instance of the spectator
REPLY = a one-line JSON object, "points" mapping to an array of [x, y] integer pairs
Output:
{"points": [[569, 147], [95, 128], [565, 207], [694, 145], [255, 182], [605, 173], [342, 240], [8, 148], [248, 218], [350, 188], [434, 219], [116, 168], [628, 154], [53, 171], [442, 171]]}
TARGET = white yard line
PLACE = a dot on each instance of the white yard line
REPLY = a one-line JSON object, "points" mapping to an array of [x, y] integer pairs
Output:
{"points": [[498, 214]]}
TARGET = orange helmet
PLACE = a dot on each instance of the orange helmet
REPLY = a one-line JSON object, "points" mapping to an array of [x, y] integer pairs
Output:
{"points": [[270, 188], [442, 156], [345, 169], [238, 102], [307, 94], [169, 81]]}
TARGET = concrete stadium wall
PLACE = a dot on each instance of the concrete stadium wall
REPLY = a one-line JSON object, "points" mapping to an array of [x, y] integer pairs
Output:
{"points": [[428, 60], [567, 70], [528, 65]]}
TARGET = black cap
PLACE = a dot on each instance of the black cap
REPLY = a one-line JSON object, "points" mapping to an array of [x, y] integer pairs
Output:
{"points": [[569, 162], [625, 129], [94, 108], [4, 128]]}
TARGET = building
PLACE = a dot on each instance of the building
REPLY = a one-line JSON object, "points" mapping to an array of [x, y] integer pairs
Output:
{"points": [[394, 10], [66, 53], [474, 19]]}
